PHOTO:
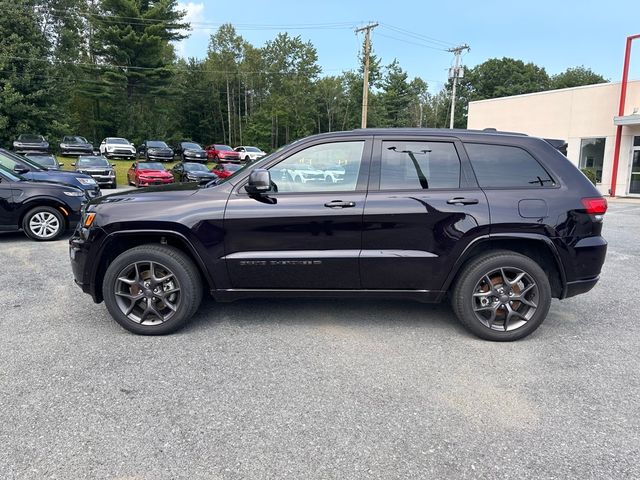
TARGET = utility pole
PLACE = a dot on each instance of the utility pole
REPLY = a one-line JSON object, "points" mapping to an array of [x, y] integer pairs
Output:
{"points": [[365, 87], [454, 74]]}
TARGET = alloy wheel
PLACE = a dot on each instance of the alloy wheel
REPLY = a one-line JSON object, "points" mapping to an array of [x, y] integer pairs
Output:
{"points": [[44, 224], [147, 292], [505, 299]]}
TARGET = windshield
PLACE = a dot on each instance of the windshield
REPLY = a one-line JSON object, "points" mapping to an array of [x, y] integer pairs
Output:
{"points": [[30, 138], [222, 147], [232, 167], [150, 166], [156, 144], [195, 167], [10, 160], [252, 149], [195, 146], [117, 141], [7, 173], [46, 160], [92, 162], [74, 140]]}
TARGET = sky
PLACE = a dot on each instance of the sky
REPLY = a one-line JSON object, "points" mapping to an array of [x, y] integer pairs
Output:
{"points": [[552, 34]]}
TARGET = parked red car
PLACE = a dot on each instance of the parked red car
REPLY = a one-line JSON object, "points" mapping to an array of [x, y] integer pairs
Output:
{"points": [[143, 174], [222, 153], [223, 170]]}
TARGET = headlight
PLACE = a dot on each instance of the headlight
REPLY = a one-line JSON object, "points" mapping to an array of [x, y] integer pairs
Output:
{"points": [[191, 177], [109, 148], [87, 181], [69, 193]]}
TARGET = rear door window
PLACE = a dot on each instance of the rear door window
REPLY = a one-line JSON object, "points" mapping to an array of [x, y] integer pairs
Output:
{"points": [[411, 165], [503, 166]]}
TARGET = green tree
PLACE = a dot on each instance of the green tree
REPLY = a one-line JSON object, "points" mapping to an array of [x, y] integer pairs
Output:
{"points": [[134, 38], [502, 78], [27, 81], [575, 77]]}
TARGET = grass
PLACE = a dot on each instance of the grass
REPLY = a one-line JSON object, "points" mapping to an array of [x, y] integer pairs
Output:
{"points": [[121, 167]]}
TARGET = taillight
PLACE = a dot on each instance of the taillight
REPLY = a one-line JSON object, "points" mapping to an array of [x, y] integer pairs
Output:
{"points": [[595, 206]]}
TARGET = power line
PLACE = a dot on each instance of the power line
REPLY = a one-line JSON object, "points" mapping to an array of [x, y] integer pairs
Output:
{"points": [[419, 36], [440, 49]]}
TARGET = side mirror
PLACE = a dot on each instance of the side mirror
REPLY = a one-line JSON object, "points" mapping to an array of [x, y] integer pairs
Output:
{"points": [[20, 170], [259, 181]]}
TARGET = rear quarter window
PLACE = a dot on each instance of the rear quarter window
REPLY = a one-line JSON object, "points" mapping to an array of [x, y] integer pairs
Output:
{"points": [[502, 166]]}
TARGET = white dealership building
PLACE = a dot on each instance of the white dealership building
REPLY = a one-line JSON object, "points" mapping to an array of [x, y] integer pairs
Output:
{"points": [[586, 118]]}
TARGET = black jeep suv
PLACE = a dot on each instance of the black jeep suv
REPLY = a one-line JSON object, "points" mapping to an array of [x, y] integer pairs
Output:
{"points": [[498, 223]]}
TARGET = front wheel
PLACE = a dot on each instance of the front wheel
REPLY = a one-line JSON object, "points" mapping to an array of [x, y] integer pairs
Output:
{"points": [[152, 289], [502, 296], [43, 223]]}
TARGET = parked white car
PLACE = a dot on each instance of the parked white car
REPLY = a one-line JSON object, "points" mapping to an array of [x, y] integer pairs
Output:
{"points": [[114, 147], [304, 173], [248, 153]]}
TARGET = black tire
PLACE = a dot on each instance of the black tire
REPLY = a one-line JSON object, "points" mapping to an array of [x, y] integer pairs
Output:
{"points": [[247, 158], [184, 272], [465, 291], [114, 185], [52, 215]]}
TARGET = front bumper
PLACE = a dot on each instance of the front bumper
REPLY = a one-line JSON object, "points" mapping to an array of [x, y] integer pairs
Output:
{"points": [[117, 154], [159, 158], [155, 181], [23, 150], [72, 151], [190, 157]]}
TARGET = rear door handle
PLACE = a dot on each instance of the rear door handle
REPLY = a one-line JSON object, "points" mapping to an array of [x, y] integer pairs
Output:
{"points": [[339, 204], [463, 201]]}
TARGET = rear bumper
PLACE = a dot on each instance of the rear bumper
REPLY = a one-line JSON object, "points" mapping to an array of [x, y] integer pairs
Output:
{"points": [[583, 262], [581, 286]]}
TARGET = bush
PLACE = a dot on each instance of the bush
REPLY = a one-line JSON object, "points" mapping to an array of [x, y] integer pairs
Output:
{"points": [[590, 174]]}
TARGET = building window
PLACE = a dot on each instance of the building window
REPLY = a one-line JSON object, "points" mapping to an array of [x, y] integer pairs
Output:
{"points": [[592, 155]]}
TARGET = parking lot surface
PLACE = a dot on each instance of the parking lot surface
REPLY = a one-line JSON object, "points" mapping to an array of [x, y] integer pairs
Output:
{"points": [[316, 388]]}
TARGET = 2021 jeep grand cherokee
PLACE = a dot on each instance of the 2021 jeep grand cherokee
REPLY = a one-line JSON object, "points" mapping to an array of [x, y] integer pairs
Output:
{"points": [[500, 223]]}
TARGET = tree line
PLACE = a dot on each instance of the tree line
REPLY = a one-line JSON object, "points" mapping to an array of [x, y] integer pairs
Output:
{"points": [[101, 68]]}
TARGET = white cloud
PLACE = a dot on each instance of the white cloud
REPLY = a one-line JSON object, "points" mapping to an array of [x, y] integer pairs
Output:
{"points": [[195, 13]]}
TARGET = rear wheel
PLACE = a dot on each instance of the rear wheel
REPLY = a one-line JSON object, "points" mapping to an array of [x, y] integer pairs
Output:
{"points": [[152, 289], [43, 223], [502, 296]]}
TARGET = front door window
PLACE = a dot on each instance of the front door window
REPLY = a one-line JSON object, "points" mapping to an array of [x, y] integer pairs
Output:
{"points": [[329, 167]]}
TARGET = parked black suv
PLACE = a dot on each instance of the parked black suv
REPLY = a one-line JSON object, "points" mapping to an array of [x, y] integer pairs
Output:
{"points": [[44, 210], [75, 145], [98, 168], [26, 143], [155, 150], [188, 151], [31, 169], [500, 223]]}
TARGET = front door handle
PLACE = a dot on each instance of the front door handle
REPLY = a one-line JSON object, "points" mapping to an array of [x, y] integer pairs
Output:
{"points": [[463, 201], [339, 204]]}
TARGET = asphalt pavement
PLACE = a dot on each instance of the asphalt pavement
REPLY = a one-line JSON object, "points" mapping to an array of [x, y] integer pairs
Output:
{"points": [[316, 389]]}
